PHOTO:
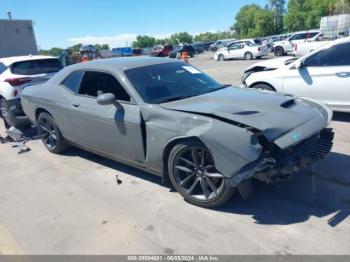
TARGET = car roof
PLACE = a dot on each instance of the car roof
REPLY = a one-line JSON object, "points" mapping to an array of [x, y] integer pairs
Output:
{"points": [[120, 63], [13, 59], [307, 31]]}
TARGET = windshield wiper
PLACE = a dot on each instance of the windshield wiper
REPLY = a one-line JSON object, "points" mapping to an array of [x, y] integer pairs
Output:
{"points": [[50, 71], [170, 99]]}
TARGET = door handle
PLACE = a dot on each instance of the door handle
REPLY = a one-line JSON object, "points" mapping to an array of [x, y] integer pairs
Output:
{"points": [[343, 74], [76, 104]]}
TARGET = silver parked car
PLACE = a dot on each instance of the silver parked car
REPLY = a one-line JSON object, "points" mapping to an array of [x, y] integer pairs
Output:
{"points": [[171, 119]]}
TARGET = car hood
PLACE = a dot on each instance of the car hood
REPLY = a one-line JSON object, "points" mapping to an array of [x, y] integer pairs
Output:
{"points": [[270, 63], [273, 114]]}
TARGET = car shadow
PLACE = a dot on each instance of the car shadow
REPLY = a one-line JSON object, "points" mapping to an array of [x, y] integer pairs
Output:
{"points": [[308, 193], [296, 200], [120, 167], [341, 117]]}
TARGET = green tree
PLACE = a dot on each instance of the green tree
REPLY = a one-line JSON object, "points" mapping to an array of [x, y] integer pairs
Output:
{"points": [[143, 41], [306, 14], [101, 47], [55, 51], [182, 37], [277, 7], [75, 48], [253, 21], [341, 7], [210, 36]]}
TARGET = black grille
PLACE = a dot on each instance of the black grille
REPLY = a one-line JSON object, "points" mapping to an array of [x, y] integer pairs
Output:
{"points": [[321, 147]]}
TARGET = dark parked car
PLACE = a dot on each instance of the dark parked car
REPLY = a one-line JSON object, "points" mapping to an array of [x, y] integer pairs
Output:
{"points": [[198, 49], [176, 53], [170, 119]]}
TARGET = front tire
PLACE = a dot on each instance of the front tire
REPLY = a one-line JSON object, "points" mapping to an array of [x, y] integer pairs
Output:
{"points": [[193, 174], [50, 134], [279, 51], [221, 58]]}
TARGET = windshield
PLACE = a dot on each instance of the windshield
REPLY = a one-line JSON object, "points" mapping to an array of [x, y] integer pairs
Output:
{"points": [[169, 82], [36, 67]]}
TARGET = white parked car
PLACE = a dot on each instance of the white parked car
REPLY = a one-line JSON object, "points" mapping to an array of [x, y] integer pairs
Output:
{"points": [[301, 49], [15, 73], [322, 75], [281, 48], [220, 43], [241, 50]]}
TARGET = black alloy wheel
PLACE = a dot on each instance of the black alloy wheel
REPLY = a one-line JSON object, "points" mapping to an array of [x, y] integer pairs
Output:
{"points": [[50, 134], [194, 175]]}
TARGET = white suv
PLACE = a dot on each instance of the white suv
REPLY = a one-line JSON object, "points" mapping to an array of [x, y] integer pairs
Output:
{"points": [[15, 73], [281, 48]]}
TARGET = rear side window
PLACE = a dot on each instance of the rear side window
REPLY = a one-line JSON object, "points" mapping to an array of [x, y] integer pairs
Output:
{"points": [[72, 81], [334, 56], [96, 83], [36, 67], [311, 35], [2, 68], [299, 36]]}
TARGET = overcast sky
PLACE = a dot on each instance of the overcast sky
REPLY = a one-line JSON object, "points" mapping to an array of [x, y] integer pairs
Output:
{"points": [[118, 22]]}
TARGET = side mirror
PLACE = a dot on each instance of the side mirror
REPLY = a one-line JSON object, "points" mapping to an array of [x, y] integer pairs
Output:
{"points": [[106, 99], [299, 64]]}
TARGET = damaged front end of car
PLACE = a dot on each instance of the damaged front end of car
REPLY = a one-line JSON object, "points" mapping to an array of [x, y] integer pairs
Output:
{"points": [[276, 164]]}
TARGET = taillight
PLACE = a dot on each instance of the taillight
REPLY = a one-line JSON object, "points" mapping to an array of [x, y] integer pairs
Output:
{"points": [[18, 81], [296, 47]]}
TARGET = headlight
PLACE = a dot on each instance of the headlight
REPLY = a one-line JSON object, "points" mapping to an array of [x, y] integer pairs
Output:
{"points": [[326, 112]]}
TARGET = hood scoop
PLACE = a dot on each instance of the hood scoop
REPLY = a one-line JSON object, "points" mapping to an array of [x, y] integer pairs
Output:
{"points": [[289, 103], [246, 113]]}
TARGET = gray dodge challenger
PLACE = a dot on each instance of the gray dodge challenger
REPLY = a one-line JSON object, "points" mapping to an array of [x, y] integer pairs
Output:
{"points": [[172, 120]]}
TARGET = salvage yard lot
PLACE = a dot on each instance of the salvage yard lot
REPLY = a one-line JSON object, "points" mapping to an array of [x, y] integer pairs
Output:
{"points": [[72, 204]]}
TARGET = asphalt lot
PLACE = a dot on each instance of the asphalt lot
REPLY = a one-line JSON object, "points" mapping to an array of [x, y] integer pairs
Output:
{"points": [[72, 204]]}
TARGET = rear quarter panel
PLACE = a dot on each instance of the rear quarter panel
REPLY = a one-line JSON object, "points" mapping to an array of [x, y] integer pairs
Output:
{"points": [[54, 99]]}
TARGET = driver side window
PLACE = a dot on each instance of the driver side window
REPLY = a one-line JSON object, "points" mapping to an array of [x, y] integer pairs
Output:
{"points": [[235, 47], [96, 83], [334, 56]]}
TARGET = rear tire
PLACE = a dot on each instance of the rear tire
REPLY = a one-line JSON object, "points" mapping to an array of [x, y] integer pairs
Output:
{"points": [[279, 51], [4, 112], [248, 56], [193, 174], [50, 134]]}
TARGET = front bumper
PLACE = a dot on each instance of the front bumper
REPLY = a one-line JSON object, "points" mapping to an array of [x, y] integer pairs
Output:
{"points": [[15, 115], [261, 53], [276, 164]]}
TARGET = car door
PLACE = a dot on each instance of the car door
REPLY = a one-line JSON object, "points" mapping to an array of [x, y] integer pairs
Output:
{"points": [[114, 130], [235, 51], [324, 76]]}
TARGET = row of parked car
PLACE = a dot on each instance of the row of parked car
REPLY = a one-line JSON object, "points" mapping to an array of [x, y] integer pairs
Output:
{"points": [[174, 51], [297, 44]]}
